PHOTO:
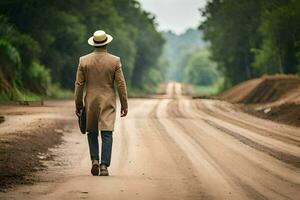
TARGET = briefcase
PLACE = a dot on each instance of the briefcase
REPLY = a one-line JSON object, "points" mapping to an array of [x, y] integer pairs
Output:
{"points": [[82, 120]]}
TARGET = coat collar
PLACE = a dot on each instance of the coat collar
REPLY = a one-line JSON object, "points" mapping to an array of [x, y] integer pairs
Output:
{"points": [[100, 50]]}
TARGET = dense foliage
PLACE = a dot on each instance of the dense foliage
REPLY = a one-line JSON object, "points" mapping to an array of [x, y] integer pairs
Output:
{"points": [[252, 37], [41, 41], [177, 48], [199, 69], [189, 60]]}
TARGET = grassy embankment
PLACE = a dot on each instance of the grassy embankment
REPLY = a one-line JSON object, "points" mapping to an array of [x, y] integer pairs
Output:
{"points": [[54, 92], [214, 89]]}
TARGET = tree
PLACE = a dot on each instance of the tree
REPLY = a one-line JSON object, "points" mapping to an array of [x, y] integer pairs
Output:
{"points": [[231, 28], [148, 41], [280, 28], [52, 35], [199, 69], [253, 37]]}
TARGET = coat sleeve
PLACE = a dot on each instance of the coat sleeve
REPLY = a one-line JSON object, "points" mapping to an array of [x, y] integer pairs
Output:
{"points": [[79, 86], [121, 84]]}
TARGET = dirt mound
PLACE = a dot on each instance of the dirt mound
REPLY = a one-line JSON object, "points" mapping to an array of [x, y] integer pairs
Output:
{"points": [[239, 92], [288, 113], [262, 90], [274, 97]]}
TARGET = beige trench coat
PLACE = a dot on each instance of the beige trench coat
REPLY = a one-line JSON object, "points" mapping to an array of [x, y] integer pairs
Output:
{"points": [[97, 73]]}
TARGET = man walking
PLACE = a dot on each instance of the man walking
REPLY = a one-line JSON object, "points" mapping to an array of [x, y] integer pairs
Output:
{"points": [[97, 73]]}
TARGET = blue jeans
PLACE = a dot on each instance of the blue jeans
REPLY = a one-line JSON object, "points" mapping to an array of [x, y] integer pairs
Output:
{"points": [[107, 140]]}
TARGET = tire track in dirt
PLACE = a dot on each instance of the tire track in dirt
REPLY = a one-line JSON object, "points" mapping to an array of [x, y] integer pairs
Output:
{"points": [[190, 129], [290, 157], [236, 176], [198, 105], [269, 142], [215, 182], [285, 157], [193, 184], [203, 116], [252, 192], [154, 161]]}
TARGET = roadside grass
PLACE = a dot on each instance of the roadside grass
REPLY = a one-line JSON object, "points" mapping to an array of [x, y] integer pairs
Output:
{"points": [[141, 92], [54, 92], [200, 90], [18, 95]]}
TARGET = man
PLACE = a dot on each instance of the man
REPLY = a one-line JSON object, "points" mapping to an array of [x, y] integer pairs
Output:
{"points": [[97, 73]]}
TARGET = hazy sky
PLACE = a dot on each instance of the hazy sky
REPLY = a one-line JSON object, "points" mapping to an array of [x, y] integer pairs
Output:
{"points": [[175, 15]]}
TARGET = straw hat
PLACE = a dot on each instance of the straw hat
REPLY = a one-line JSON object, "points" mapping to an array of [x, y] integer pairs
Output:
{"points": [[100, 38]]}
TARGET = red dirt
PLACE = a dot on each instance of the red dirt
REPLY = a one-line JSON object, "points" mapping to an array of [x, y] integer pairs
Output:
{"points": [[23, 146], [274, 97], [238, 93]]}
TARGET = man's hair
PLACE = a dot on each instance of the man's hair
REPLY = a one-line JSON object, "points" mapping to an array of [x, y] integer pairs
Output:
{"points": [[98, 47]]}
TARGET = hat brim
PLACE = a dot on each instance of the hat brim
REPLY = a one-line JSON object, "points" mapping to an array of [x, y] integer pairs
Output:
{"points": [[92, 43]]}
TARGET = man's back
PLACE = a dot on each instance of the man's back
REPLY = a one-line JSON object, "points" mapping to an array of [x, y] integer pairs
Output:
{"points": [[97, 72], [99, 69]]}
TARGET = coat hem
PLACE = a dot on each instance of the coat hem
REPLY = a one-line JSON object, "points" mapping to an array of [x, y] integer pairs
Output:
{"points": [[102, 129]]}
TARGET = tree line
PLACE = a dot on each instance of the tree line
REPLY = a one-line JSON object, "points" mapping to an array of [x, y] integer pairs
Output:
{"points": [[189, 60], [41, 41], [249, 38]]}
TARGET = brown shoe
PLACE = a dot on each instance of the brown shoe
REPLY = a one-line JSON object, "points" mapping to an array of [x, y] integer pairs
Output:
{"points": [[95, 168], [103, 170]]}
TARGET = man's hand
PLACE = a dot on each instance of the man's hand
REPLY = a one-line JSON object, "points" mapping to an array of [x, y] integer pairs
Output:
{"points": [[77, 112], [124, 112]]}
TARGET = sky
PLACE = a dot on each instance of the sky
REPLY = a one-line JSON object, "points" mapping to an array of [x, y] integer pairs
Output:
{"points": [[175, 15]]}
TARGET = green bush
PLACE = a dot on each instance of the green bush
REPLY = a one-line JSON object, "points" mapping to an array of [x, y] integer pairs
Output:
{"points": [[55, 91], [199, 69], [39, 78], [10, 67]]}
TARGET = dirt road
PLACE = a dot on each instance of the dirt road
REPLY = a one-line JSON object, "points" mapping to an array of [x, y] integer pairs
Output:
{"points": [[178, 148]]}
